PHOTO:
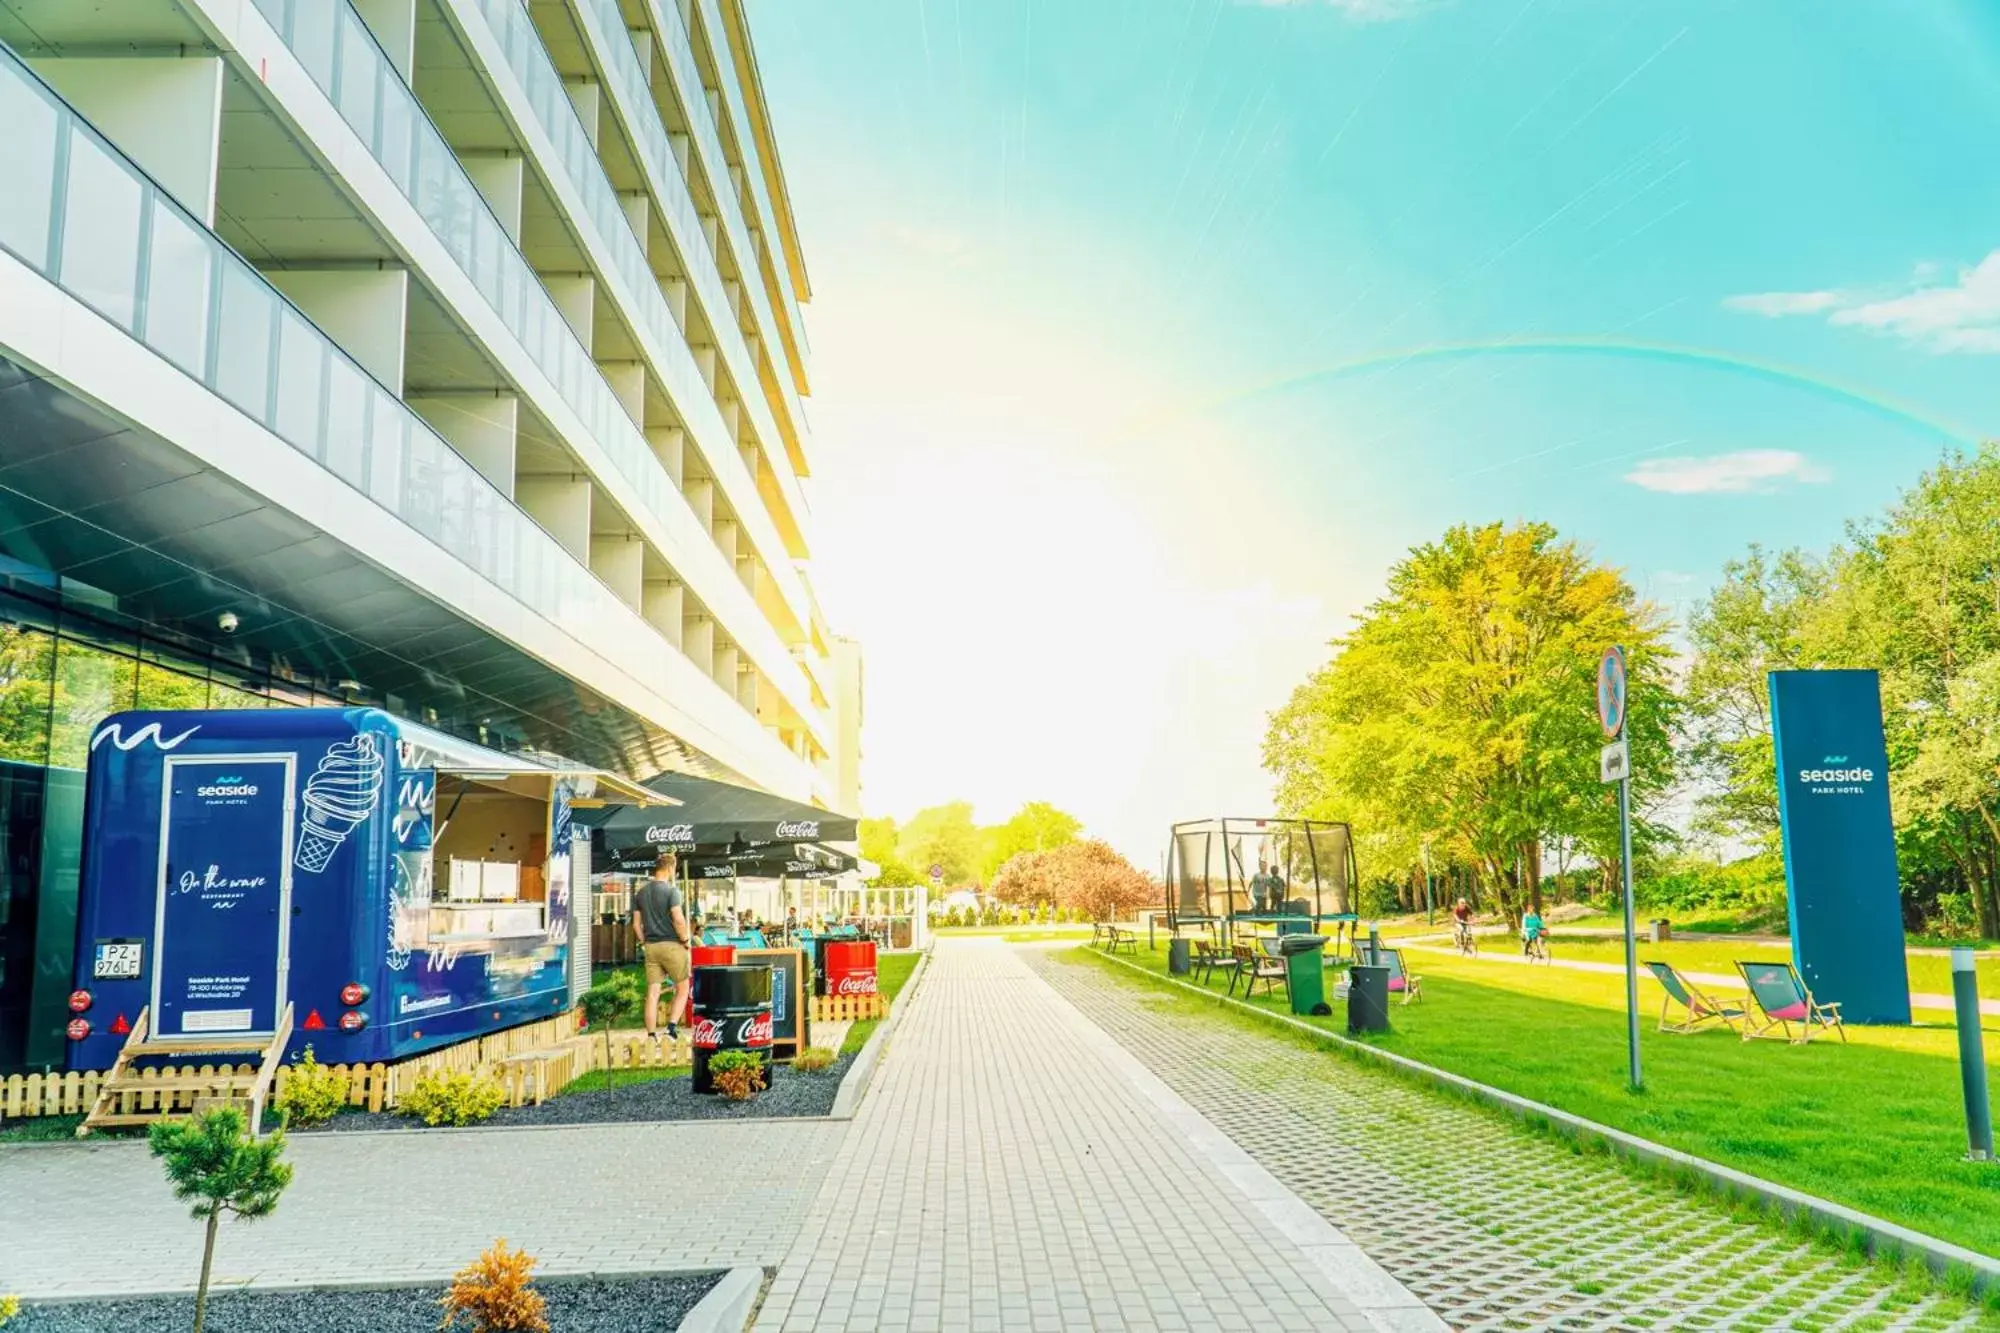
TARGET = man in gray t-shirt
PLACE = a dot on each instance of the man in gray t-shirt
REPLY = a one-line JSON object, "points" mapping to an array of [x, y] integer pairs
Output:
{"points": [[659, 919]]}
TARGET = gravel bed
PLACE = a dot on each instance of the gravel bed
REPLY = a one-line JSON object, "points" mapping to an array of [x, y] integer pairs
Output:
{"points": [[791, 1094], [576, 1305]]}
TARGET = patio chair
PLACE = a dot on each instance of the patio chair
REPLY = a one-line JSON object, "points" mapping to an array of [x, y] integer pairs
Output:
{"points": [[1781, 996], [1208, 958], [1400, 980], [1698, 1011], [1254, 965]]}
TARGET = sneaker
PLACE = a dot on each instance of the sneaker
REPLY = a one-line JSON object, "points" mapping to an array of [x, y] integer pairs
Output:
{"points": [[673, 1034]]}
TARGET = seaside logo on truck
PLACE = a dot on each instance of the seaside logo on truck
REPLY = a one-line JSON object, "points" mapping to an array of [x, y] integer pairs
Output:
{"points": [[226, 789]]}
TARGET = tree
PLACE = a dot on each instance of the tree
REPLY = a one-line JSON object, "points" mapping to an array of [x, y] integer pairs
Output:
{"points": [[878, 841], [1095, 882], [942, 835], [213, 1160], [1026, 880], [1035, 827], [1459, 713], [1758, 620]]}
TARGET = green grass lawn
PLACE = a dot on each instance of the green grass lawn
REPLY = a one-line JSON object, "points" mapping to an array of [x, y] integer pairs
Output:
{"points": [[1928, 972], [1877, 1124], [892, 973]]}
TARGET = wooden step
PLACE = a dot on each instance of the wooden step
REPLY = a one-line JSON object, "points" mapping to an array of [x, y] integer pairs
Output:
{"points": [[166, 1047]]}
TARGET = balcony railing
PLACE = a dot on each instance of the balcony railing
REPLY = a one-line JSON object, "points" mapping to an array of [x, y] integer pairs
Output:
{"points": [[79, 213], [343, 59]]}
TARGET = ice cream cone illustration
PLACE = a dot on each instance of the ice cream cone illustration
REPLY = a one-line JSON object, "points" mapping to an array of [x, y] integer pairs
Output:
{"points": [[339, 796]]}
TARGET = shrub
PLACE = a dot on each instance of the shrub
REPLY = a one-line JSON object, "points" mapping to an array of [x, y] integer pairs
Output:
{"points": [[313, 1094], [495, 1294], [454, 1098], [616, 997], [739, 1075], [9, 1307], [813, 1059], [213, 1160]]}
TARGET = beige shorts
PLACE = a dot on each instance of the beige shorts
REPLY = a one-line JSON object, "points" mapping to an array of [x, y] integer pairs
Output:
{"points": [[666, 960]]}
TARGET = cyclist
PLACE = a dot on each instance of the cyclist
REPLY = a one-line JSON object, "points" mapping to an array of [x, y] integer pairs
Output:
{"points": [[1534, 935], [1461, 926]]}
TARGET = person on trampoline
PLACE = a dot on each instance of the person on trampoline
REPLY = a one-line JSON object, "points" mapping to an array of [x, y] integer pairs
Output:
{"points": [[1274, 890]]}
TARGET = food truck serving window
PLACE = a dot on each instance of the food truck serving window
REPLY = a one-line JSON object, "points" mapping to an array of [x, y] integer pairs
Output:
{"points": [[490, 857]]}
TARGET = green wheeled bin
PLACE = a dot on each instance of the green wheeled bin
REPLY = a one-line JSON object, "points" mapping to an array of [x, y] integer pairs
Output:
{"points": [[1305, 972]]}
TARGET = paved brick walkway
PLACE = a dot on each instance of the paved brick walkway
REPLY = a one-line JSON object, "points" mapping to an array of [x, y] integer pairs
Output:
{"points": [[98, 1218], [1013, 1169], [1493, 1228]]}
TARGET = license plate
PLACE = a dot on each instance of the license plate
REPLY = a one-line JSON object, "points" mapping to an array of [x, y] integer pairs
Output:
{"points": [[118, 960]]}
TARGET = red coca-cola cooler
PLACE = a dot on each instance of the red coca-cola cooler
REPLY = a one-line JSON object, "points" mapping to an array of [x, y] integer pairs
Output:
{"points": [[847, 968], [712, 955], [732, 1012]]}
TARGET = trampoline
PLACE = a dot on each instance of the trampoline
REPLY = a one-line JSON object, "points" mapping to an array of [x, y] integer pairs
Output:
{"points": [[1290, 875]]}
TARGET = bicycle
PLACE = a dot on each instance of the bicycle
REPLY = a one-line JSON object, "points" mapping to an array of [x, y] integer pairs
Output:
{"points": [[1464, 940], [1537, 949]]}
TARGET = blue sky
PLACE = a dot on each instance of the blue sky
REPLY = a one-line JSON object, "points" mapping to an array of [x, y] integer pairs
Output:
{"points": [[1148, 333]]}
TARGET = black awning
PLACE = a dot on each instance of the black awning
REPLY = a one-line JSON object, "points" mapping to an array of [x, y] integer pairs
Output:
{"points": [[713, 814]]}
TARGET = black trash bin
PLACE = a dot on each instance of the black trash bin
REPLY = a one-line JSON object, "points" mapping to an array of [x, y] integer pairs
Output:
{"points": [[732, 1012], [1178, 961], [1367, 999]]}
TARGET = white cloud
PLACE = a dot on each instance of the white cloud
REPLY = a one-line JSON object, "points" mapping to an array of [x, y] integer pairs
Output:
{"points": [[1759, 470], [1774, 305], [1962, 315]]}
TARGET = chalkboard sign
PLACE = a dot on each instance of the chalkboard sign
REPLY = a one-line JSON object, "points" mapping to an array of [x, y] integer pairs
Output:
{"points": [[790, 1021]]}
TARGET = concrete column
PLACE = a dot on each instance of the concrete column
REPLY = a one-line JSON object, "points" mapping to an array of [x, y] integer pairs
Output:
{"points": [[711, 228], [394, 23], [365, 310], [732, 416], [639, 213], [499, 178], [483, 427], [746, 687], [698, 639], [746, 573], [164, 112], [704, 360], [662, 606], [575, 294], [683, 147], [562, 506], [723, 666], [583, 95], [642, 44], [724, 530], [670, 447], [752, 457], [732, 296], [676, 292], [628, 381], [620, 560], [700, 492]]}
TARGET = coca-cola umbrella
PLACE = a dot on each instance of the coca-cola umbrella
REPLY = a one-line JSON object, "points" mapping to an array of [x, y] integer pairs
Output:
{"points": [[714, 815], [769, 861]]}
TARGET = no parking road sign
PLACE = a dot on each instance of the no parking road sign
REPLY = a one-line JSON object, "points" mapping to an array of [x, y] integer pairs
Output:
{"points": [[1611, 690]]}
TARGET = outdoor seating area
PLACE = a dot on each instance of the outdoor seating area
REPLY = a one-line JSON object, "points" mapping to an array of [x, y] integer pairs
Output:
{"points": [[1114, 938], [1698, 1011]]}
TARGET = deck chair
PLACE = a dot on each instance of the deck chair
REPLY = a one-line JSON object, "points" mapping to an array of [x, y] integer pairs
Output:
{"points": [[1400, 980], [1208, 958], [1253, 965], [1697, 1010], [1781, 996]]}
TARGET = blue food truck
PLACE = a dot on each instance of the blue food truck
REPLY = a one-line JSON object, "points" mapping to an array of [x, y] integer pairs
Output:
{"points": [[399, 888]]}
